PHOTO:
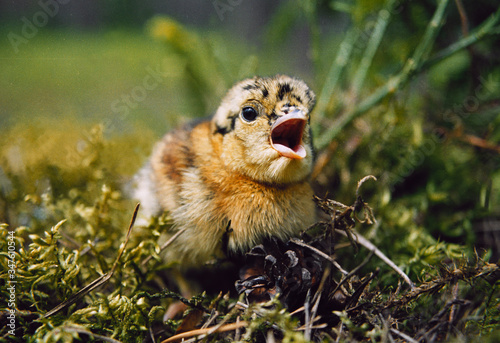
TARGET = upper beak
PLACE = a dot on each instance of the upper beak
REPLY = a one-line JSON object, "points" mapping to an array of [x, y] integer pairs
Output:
{"points": [[286, 135]]}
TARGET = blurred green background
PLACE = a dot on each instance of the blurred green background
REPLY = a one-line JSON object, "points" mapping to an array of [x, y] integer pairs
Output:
{"points": [[77, 59], [86, 88]]}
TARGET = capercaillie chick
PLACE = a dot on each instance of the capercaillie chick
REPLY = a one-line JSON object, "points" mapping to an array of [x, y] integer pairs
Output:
{"points": [[231, 182]]}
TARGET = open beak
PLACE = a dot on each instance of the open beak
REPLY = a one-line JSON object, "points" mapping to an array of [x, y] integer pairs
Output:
{"points": [[286, 135]]}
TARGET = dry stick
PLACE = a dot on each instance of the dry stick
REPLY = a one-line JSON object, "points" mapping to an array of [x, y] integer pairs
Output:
{"points": [[463, 17], [479, 142], [354, 271], [213, 316], [165, 245], [237, 333], [369, 245], [320, 253], [307, 316], [319, 326], [470, 139], [201, 333], [362, 181], [403, 335], [151, 333], [317, 296], [453, 308], [310, 315], [300, 309], [270, 337], [315, 319], [341, 326], [316, 300], [100, 280], [314, 310], [368, 216]]}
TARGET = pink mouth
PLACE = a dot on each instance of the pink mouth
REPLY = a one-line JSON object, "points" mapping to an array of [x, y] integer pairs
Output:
{"points": [[286, 135]]}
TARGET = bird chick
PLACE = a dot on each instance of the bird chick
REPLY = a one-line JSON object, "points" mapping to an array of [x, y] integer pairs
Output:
{"points": [[231, 182]]}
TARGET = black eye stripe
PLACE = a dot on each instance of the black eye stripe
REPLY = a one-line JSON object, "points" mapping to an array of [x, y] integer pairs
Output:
{"points": [[223, 130]]}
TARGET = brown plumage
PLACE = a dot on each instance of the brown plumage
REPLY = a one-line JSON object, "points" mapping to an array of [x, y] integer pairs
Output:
{"points": [[247, 169]]}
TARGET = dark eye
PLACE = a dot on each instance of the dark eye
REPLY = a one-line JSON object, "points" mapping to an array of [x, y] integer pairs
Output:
{"points": [[249, 114]]}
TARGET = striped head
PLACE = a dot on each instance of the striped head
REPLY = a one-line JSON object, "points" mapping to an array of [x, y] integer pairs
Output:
{"points": [[263, 127]]}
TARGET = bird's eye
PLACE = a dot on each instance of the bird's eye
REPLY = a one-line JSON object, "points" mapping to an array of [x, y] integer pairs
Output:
{"points": [[249, 114]]}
